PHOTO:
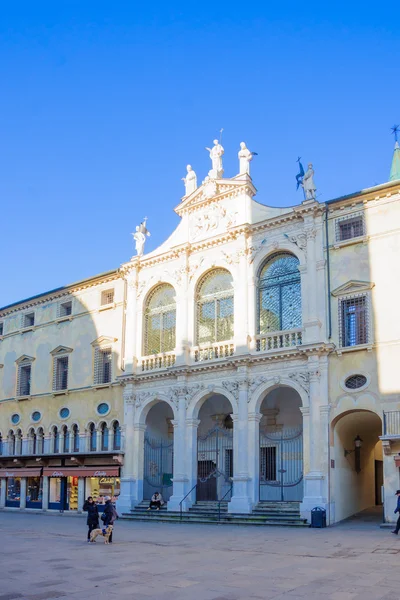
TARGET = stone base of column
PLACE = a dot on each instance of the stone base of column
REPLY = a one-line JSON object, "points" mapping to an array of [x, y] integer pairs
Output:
{"points": [[241, 501], [178, 495], [314, 495], [126, 499]]}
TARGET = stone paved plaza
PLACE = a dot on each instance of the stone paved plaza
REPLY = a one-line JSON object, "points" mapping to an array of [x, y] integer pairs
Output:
{"points": [[45, 557]]}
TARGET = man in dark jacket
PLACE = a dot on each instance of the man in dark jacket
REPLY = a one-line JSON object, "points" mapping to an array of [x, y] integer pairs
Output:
{"points": [[93, 515], [396, 531], [109, 515]]}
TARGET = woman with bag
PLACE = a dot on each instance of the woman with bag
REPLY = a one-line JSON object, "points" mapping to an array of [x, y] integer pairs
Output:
{"points": [[93, 515]]}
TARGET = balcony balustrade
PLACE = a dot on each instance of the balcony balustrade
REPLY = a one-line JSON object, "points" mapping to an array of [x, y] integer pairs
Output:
{"points": [[156, 362], [213, 351], [50, 446], [278, 340]]}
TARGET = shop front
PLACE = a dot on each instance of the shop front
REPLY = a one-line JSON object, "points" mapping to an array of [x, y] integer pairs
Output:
{"points": [[23, 487], [68, 486]]}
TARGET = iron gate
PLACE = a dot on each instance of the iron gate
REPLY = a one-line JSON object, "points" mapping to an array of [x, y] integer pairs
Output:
{"points": [[281, 465], [158, 467], [215, 465]]}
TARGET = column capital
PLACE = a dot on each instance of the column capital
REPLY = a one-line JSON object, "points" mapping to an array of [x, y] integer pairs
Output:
{"points": [[253, 416], [174, 423], [193, 423], [325, 409], [305, 411], [139, 427]]}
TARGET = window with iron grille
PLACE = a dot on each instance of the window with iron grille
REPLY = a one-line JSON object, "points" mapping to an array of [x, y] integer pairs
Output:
{"points": [[353, 321], [107, 297], [279, 294], [350, 226], [160, 321], [268, 463], [28, 319], [60, 373], [102, 365], [215, 307], [355, 381], [65, 309], [1, 327], [24, 379]]}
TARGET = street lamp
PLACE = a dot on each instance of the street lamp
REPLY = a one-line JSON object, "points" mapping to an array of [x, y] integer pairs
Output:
{"points": [[357, 457]]}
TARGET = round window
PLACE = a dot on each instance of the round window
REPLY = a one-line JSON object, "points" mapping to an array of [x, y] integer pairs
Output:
{"points": [[103, 408], [15, 418], [355, 381], [64, 413], [36, 416]]}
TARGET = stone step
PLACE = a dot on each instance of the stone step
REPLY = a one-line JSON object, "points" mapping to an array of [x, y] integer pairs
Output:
{"points": [[232, 520]]}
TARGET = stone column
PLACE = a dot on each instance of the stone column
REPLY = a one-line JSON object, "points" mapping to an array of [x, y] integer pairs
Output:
{"points": [[22, 503], [191, 458], [180, 480], [81, 493], [3, 486], [324, 453], [139, 430], [130, 323], [312, 325], [254, 456], [45, 493], [241, 502], [98, 440], [111, 438], [125, 499], [315, 490]]}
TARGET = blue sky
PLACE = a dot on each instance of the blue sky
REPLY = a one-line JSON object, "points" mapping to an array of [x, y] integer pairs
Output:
{"points": [[103, 105]]}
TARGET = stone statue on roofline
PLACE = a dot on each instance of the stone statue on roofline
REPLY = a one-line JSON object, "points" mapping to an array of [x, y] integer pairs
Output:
{"points": [[190, 181], [216, 153], [140, 237], [245, 156], [308, 183]]}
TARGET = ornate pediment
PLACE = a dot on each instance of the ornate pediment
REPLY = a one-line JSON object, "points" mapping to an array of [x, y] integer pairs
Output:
{"points": [[61, 350], [103, 340], [24, 358], [353, 287]]}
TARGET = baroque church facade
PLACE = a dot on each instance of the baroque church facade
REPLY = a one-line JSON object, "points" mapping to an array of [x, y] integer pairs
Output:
{"points": [[250, 359]]}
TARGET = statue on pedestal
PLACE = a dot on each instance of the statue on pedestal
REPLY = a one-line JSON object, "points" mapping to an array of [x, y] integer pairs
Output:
{"points": [[245, 156], [308, 183], [140, 237], [190, 181], [216, 153]]}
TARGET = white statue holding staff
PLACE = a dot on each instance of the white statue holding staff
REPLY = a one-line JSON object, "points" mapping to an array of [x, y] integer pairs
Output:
{"points": [[190, 181], [216, 153], [245, 156], [140, 237], [308, 183]]}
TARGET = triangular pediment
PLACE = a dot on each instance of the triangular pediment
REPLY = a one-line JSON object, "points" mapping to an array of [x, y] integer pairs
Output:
{"points": [[353, 287], [214, 189], [61, 350], [24, 358], [103, 339]]}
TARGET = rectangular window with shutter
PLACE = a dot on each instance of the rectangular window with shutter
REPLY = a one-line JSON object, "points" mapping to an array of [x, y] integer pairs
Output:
{"points": [[60, 374], [353, 321], [24, 380], [102, 365], [107, 297], [65, 309], [350, 226]]}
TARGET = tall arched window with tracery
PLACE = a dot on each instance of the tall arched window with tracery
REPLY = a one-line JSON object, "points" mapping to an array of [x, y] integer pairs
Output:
{"points": [[279, 294], [160, 320], [215, 307]]}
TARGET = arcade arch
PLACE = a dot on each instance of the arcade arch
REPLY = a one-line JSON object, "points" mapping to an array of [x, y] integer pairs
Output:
{"points": [[158, 450]]}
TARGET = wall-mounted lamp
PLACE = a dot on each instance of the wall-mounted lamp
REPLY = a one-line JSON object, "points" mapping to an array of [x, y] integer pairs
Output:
{"points": [[357, 459]]}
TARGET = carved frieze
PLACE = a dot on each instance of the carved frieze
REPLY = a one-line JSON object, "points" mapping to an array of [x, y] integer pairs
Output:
{"points": [[303, 379], [232, 387]]}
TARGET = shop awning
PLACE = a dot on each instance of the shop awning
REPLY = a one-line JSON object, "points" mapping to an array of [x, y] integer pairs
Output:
{"points": [[34, 472], [81, 472]]}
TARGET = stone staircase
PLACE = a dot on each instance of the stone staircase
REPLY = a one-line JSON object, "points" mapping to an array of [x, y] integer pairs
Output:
{"points": [[265, 513]]}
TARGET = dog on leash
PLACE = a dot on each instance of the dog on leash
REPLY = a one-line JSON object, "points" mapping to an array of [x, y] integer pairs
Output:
{"points": [[106, 535]]}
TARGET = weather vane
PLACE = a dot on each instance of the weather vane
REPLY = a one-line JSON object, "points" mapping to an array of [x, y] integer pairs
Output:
{"points": [[395, 130]]}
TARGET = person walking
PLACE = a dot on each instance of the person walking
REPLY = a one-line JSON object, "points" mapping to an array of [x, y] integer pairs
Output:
{"points": [[110, 515], [93, 515], [397, 529]]}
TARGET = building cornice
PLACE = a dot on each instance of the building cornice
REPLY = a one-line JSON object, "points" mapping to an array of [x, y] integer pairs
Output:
{"points": [[378, 192]]}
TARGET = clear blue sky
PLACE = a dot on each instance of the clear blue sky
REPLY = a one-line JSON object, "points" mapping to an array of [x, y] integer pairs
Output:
{"points": [[104, 103]]}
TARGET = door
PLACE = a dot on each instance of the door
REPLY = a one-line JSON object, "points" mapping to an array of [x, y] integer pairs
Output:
{"points": [[158, 467], [215, 465]]}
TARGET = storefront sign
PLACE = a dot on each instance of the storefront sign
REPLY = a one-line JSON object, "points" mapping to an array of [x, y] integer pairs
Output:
{"points": [[80, 472], [20, 472], [107, 480]]}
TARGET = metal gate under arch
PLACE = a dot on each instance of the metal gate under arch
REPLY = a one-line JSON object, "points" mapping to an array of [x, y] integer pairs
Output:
{"points": [[281, 465], [215, 465], [158, 467]]}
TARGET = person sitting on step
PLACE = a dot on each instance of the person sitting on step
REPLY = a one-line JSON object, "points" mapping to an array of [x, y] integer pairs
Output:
{"points": [[156, 500]]}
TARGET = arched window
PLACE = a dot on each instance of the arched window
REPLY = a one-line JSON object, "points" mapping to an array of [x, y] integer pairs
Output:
{"points": [[92, 437], [160, 320], [215, 311], [117, 436], [11, 442], [104, 437], [18, 442], [1, 444], [279, 294], [65, 441], [56, 440], [40, 441], [32, 441], [75, 438]]}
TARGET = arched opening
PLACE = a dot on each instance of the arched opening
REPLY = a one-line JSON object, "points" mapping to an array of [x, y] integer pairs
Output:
{"points": [[116, 429], [56, 439], [158, 451], [215, 450], [281, 446], [103, 437], [40, 441], [1, 444], [11, 443], [357, 473], [92, 437], [32, 441], [18, 442], [65, 439], [75, 438], [215, 307], [160, 320]]}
